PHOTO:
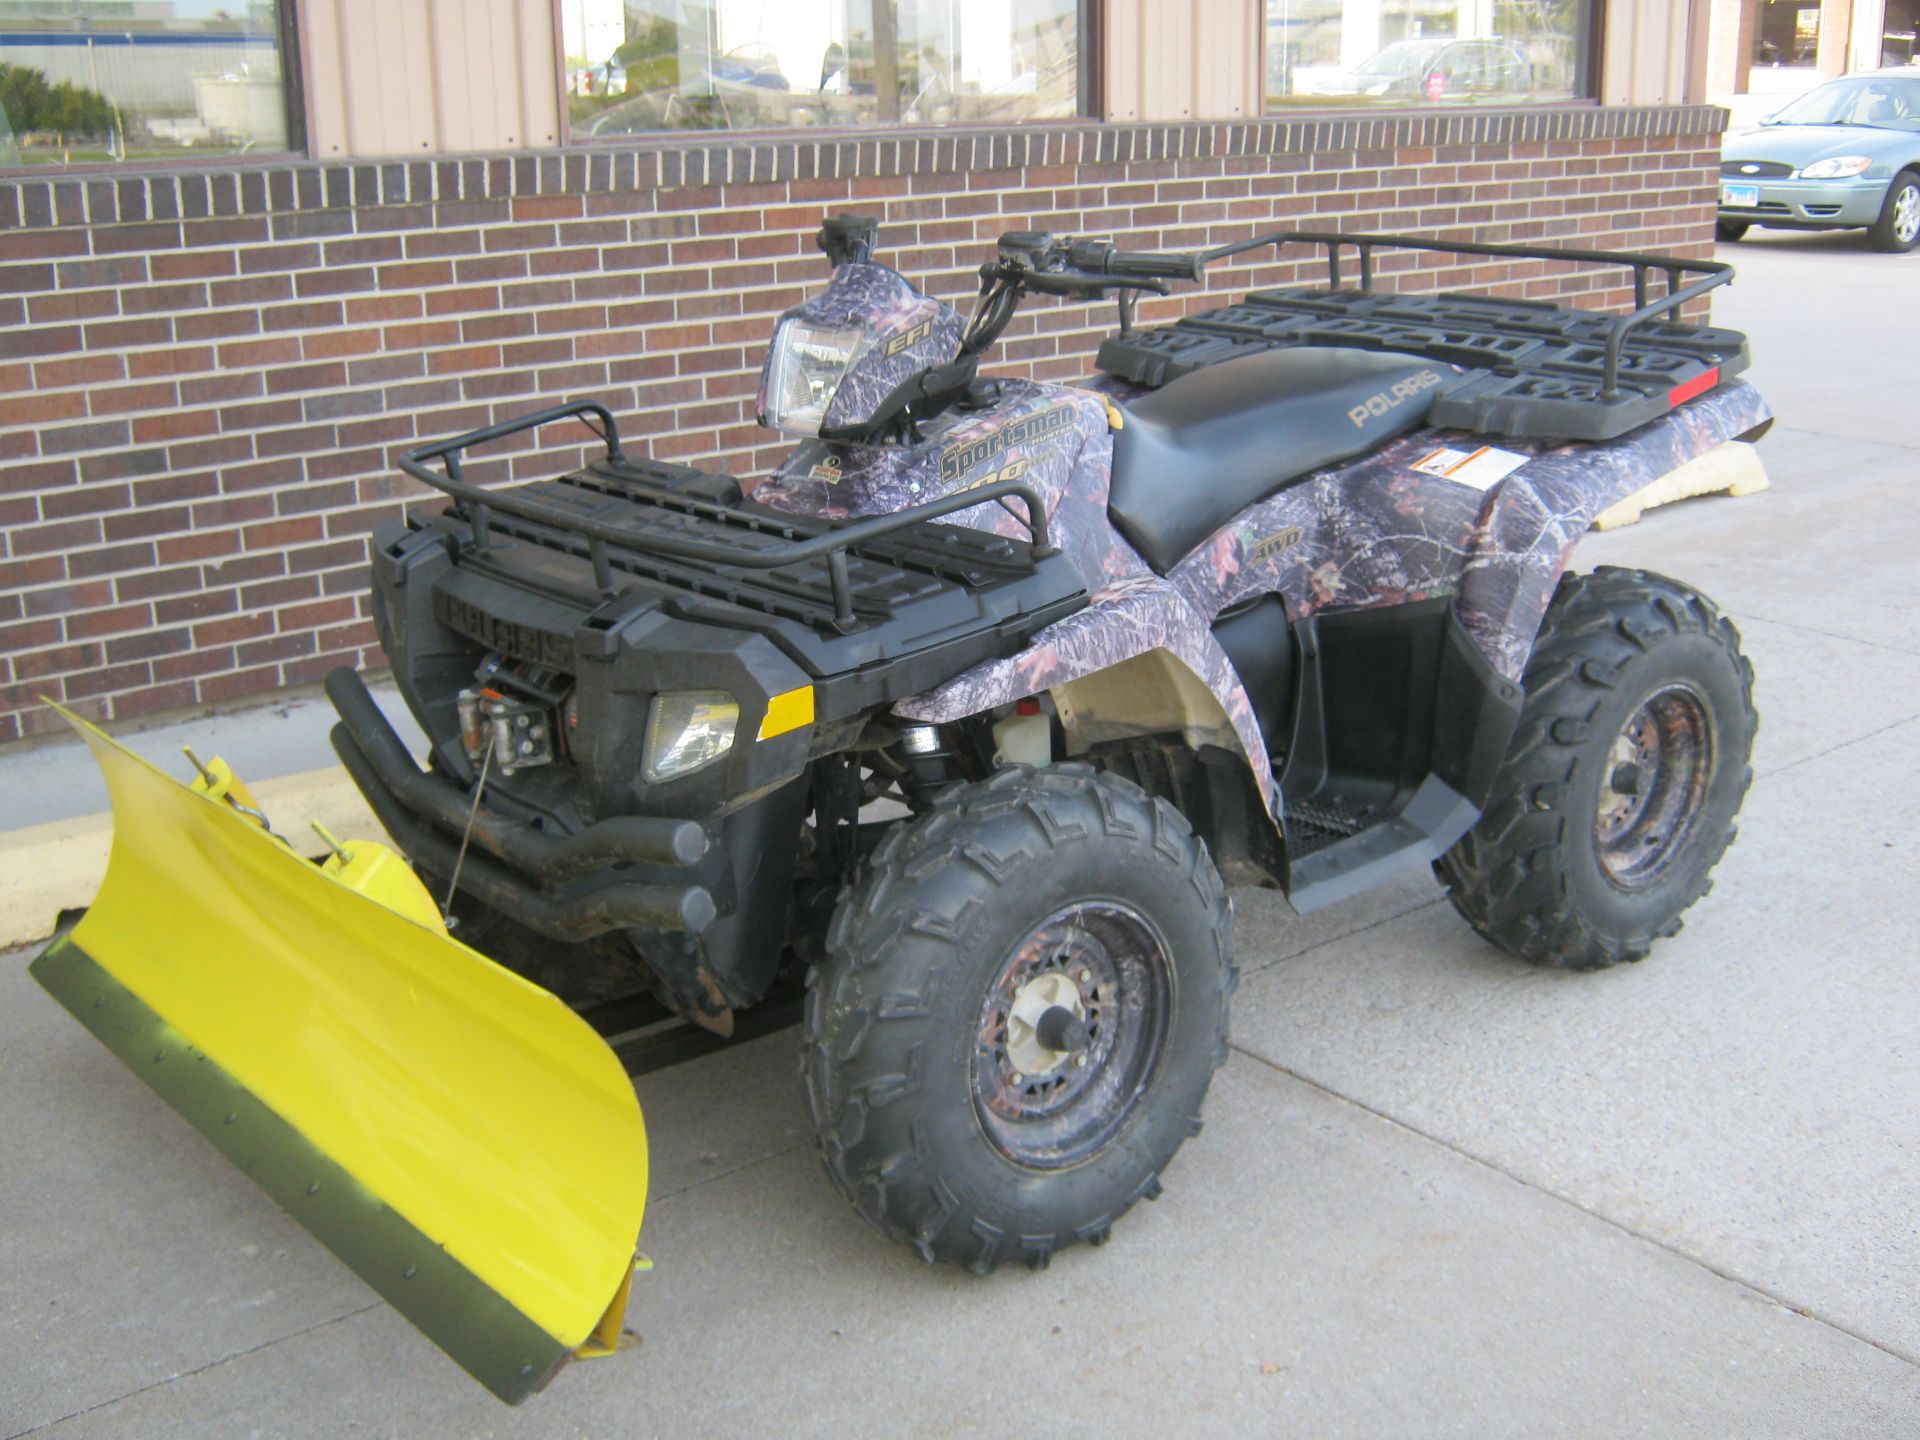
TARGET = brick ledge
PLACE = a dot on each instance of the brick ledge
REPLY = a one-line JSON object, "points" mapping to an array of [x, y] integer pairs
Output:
{"points": [[290, 186]]}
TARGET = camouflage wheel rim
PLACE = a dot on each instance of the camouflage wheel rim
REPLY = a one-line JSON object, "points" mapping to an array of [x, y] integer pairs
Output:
{"points": [[1654, 786], [1050, 1109]]}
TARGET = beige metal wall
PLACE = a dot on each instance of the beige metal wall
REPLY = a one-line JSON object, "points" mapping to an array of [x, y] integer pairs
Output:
{"points": [[1183, 59], [1646, 51], [424, 77]]}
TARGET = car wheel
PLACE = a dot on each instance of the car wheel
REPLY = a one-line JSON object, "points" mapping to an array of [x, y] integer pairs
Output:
{"points": [[1729, 229], [1898, 228]]}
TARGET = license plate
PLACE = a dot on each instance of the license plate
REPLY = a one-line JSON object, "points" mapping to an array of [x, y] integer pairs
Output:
{"points": [[1740, 197]]}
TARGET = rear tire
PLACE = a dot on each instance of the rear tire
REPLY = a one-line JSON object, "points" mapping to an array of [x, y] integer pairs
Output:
{"points": [[1730, 230], [1620, 786], [1898, 228], [940, 1114]]}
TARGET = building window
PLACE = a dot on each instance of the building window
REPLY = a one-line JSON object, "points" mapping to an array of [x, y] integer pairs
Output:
{"points": [[1786, 33], [639, 67], [1342, 53], [86, 82]]}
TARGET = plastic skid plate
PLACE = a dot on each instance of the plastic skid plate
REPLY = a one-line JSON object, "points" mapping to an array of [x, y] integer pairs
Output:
{"points": [[1534, 370]]}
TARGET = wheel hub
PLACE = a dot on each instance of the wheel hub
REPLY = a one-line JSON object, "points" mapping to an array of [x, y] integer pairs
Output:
{"points": [[1071, 1034], [1906, 215], [1048, 1014], [1653, 785]]}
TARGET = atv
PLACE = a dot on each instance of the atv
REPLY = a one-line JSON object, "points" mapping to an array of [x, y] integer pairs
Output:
{"points": [[948, 742]]}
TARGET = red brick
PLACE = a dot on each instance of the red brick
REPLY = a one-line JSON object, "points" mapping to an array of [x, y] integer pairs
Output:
{"points": [[135, 397], [42, 409], [92, 624]]}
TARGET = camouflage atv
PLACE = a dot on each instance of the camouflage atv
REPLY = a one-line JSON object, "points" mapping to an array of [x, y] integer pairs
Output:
{"points": [[953, 735]]}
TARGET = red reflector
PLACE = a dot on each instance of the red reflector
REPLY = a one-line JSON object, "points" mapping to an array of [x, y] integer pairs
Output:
{"points": [[1028, 706], [1699, 385]]}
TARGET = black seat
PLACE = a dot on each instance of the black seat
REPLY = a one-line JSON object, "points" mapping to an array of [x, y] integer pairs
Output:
{"points": [[1194, 453]]}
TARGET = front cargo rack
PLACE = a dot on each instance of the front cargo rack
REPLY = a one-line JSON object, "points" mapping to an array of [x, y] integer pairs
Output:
{"points": [[692, 523], [1533, 369]]}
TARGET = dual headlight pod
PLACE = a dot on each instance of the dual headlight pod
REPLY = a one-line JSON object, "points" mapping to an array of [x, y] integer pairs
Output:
{"points": [[687, 729]]}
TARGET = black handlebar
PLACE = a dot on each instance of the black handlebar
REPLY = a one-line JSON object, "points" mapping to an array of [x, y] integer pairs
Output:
{"points": [[1052, 265]]}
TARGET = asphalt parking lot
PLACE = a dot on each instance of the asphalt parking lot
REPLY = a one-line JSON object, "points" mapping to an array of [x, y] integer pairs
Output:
{"points": [[1438, 1193]]}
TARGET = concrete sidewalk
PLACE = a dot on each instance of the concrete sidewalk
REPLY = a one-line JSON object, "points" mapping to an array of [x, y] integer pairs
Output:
{"points": [[1439, 1193], [57, 828]]}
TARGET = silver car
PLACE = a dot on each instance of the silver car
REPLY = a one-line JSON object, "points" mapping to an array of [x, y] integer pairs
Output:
{"points": [[1843, 156]]}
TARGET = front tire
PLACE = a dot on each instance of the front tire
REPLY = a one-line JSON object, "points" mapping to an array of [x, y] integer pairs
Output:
{"points": [[1023, 1004], [1898, 228], [1620, 786], [1730, 230]]}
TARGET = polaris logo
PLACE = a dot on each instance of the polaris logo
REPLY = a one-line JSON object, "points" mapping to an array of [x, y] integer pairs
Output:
{"points": [[1374, 406], [523, 642]]}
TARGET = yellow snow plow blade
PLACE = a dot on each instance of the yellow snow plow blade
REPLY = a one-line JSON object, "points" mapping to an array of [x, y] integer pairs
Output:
{"points": [[462, 1140]]}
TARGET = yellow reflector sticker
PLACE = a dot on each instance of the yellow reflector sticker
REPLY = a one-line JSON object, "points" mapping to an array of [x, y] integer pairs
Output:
{"points": [[788, 711]]}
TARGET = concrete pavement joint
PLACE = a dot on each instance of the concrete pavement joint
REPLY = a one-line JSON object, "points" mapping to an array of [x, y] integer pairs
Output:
{"points": [[1750, 617], [1318, 945], [1658, 1244], [706, 1180], [1759, 775], [197, 1370]]}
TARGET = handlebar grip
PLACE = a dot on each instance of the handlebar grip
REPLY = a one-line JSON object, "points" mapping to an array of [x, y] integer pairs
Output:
{"points": [[1099, 257], [1149, 265]]}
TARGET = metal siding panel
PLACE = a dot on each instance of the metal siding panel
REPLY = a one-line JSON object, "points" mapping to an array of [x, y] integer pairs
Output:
{"points": [[454, 58], [494, 107], [360, 79], [539, 83], [1123, 59], [1166, 42], [414, 62], [328, 128]]}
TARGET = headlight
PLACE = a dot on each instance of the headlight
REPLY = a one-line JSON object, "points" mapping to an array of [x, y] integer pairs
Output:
{"points": [[687, 729], [1836, 166], [808, 364]]}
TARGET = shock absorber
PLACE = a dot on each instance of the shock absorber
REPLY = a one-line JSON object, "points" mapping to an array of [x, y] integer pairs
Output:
{"points": [[929, 761]]}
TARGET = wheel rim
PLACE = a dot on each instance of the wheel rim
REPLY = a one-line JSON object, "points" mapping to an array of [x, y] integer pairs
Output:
{"points": [[1906, 214], [1103, 964], [1653, 786]]}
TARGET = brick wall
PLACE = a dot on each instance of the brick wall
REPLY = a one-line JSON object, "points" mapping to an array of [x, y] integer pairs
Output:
{"points": [[204, 376]]}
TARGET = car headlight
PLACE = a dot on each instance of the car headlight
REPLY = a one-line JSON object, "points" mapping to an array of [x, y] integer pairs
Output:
{"points": [[806, 368], [687, 729], [1836, 166]]}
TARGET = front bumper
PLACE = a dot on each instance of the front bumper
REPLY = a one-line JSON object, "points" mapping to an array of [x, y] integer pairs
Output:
{"points": [[1806, 204]]}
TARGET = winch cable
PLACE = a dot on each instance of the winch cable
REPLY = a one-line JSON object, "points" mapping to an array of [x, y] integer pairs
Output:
{"points": [[473, 811]]}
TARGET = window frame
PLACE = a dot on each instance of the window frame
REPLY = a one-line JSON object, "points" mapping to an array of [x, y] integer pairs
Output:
{"points": [[1586, 83], [293, 95], [1089, 18]]}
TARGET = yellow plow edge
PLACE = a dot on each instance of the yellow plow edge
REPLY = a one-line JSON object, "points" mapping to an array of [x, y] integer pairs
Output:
{"points": [[459, 1137]]}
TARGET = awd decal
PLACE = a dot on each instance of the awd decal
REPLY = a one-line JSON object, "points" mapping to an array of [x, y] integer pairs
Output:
{"points": [[1374, 406], [1277, 543], [907, 338], [957, 460]]}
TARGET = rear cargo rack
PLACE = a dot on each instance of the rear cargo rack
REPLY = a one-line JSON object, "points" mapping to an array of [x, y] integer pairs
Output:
{"points": [[805, 539], [1539, 370]]}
